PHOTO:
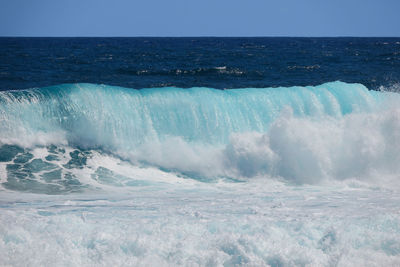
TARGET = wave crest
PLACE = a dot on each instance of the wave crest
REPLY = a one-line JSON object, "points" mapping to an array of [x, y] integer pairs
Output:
{"points": [[300, 134]]}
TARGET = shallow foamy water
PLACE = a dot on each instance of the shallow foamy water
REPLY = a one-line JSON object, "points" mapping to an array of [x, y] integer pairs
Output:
{"points": [[215, 224]]}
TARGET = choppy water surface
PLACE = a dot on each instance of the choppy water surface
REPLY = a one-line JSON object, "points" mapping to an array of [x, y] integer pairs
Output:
{"points": [[191, 62]]}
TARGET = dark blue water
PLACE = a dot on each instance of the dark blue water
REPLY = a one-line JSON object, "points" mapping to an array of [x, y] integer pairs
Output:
{"points": [[191, 62]]}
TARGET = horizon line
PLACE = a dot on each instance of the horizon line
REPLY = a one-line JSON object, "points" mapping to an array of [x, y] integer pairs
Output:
{"points": [[200, 36]]}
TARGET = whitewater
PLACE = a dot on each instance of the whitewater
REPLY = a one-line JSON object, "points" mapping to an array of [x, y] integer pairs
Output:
{"points": [[287, 176]]}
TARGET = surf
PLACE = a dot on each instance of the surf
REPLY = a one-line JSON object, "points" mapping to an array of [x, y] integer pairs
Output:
{"points": [[302, 135]]}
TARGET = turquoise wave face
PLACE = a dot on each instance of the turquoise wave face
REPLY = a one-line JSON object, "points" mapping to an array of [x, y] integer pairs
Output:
{"points": [[113, 117], [54, 137]]}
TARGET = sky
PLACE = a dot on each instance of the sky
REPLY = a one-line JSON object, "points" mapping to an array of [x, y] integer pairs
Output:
{"points": [[200, 18]]}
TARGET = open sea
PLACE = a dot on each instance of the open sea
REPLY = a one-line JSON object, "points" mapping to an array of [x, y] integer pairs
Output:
{"points": [[200, 152]]}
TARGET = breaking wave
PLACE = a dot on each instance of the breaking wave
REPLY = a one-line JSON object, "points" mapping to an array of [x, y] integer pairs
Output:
{"points": [[300, 135]]}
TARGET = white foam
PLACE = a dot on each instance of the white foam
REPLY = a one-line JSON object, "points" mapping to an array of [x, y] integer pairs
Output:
{"points": [[3, 173], [24, 138], [360, 146], [237, 224]]}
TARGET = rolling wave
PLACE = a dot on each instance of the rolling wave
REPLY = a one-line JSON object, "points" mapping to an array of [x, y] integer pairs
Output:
{"points": [[299, 134]]}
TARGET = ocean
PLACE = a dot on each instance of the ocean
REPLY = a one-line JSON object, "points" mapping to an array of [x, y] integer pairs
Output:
{"points": [[199, 151]]}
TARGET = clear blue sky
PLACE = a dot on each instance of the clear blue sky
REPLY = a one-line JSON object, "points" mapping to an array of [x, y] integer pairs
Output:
{"points": [[200, 18]]}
